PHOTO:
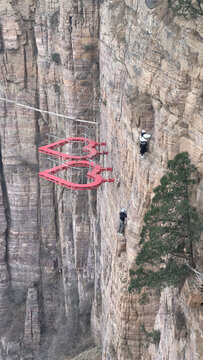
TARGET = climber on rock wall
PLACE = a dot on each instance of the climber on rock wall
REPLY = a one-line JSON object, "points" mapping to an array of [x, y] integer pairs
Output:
{"points": [[123, 216], [143, 142]]}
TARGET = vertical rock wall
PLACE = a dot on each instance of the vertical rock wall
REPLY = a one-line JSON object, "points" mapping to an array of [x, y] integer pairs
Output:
{"points": [[20, 242], [49, 59], [64, 270], [151, 78]]}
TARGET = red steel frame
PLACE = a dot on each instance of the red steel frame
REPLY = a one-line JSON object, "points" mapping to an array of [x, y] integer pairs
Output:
{"points": [[77, 161], [89, 148], [93, 174]]}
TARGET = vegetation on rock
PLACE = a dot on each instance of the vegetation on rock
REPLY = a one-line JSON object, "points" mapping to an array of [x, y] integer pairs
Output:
{"points": [[152, 337], [56, 58], [171, 226], [186, 8]]}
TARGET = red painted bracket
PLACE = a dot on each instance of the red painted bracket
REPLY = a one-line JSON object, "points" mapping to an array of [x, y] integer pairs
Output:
{"points": [[93, 174], [89, 148]]}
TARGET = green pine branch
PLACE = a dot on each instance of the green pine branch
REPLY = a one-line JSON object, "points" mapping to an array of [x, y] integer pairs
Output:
{"points": [[171, 226]]}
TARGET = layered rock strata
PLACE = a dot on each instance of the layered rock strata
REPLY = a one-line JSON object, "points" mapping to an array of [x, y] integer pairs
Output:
{"points": [[64, 270], [151, 78], [49, 59]]}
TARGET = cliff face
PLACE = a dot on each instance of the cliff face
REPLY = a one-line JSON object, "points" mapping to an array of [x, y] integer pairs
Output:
{"points": [[64, 269], [49, 59], [156, 78], [151, 73]]}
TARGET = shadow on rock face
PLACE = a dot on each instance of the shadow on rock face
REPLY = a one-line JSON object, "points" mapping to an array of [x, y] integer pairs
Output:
{"points": [[151, 4]]}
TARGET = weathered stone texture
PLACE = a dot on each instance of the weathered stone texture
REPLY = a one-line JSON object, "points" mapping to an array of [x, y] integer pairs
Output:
{"points": [[66, 242], [49, 59], [149, 61], [4, 274], [32, 328]]}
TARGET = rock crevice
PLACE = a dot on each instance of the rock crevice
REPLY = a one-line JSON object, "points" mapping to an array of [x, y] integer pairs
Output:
{"points": [[64, 272]]}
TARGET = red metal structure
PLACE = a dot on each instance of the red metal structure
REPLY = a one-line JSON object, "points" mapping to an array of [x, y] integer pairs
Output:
{"points": [[93, 174], [89, 148], [77, 161]]}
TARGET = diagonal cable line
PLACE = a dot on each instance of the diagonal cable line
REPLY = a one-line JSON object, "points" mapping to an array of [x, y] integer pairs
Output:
{"points": [[48, 112]]}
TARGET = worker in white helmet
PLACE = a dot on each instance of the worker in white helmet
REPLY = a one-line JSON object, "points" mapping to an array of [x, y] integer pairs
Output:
{"points": [[143, 142], [123, 216]]}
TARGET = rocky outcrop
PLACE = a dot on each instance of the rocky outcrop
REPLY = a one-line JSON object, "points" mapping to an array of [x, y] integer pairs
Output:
{"points": [[49, 59], [4, 271], [150, 73], [127, 65], [32, 328]]}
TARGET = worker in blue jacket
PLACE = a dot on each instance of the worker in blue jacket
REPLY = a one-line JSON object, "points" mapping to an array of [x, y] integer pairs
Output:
{"points": [[123, 216]]}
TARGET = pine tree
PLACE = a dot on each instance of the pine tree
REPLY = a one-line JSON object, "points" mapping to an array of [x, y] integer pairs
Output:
{"points": [[170, 228]]}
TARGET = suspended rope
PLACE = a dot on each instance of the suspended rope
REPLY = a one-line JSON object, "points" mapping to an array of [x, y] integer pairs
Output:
{"points": [[48, 112]]}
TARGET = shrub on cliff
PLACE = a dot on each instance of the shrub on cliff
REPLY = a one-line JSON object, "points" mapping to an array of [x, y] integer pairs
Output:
{"points": [[56, 58], [152, 337], [186, 8], [170, 227]]}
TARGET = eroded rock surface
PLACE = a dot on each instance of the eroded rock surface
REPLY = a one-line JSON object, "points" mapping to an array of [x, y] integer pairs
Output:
{"points": [[64, 271]]}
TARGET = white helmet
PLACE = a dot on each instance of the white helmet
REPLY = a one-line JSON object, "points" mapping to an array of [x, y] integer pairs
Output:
{"points": [[143, 131], [122, 210]]}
